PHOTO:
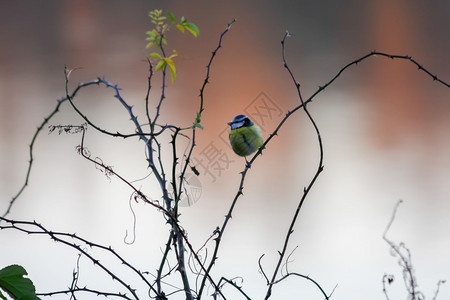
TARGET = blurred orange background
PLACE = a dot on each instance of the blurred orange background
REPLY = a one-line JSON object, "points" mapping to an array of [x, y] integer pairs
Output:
{"points": [[385, 127]]}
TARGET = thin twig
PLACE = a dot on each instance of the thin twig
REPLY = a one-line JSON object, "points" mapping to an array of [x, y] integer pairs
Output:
{"points": [[233, 284], [33, 141], [87, 290], [313, 180], [201, 108], [327, 297], [389, 279], [404, 261], [155, 204], [117, 95], [437, 288], [163, 262], [60, 237], [149, 87]]}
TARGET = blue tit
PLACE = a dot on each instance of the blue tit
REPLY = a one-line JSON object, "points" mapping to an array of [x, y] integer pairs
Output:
{"points": [[245, 136]]}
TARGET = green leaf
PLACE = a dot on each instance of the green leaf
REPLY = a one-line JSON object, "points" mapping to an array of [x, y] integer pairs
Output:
{"points": [[193, 29], [152, 38], [180, 27], [173, 70], [17, 286], [171, 16], [155, 55], [151, 33], [161, 64], [198, 125], [197, 121]]}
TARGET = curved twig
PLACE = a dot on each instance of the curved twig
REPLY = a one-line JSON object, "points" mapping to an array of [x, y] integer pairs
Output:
{"points": [[327, 297], [313, 180], [60, 237], [233, 284], [201, 108]]}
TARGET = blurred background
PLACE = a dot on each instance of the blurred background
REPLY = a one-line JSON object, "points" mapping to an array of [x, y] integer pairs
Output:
{"points": [[385, 128]]}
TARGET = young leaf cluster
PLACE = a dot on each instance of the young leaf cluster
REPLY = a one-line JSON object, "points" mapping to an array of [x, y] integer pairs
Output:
{"points": [[157, 37]]}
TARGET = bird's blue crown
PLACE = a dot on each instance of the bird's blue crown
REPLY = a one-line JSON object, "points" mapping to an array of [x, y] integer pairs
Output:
{"points": [[240, 121]]}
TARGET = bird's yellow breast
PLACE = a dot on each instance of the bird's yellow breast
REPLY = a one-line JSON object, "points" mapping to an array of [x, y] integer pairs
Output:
{"points": [[246, 140]]}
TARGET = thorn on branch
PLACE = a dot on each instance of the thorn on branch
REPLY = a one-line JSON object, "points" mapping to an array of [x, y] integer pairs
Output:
{"points": [[217, 230], [390, 279]]}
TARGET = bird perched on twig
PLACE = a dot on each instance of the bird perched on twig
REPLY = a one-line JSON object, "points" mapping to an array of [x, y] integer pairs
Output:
{"points": [[245, 136]]}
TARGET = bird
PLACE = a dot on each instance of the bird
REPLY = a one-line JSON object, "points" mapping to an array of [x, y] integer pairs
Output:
{"points": [[245, 136]]}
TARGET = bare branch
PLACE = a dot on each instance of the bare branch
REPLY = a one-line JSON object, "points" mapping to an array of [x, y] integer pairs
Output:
{"points": [[327, 297], [233, 284], [86, 290], [389, 279], [311, 183], [404, 261], [64, 238], [437, 288]]}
